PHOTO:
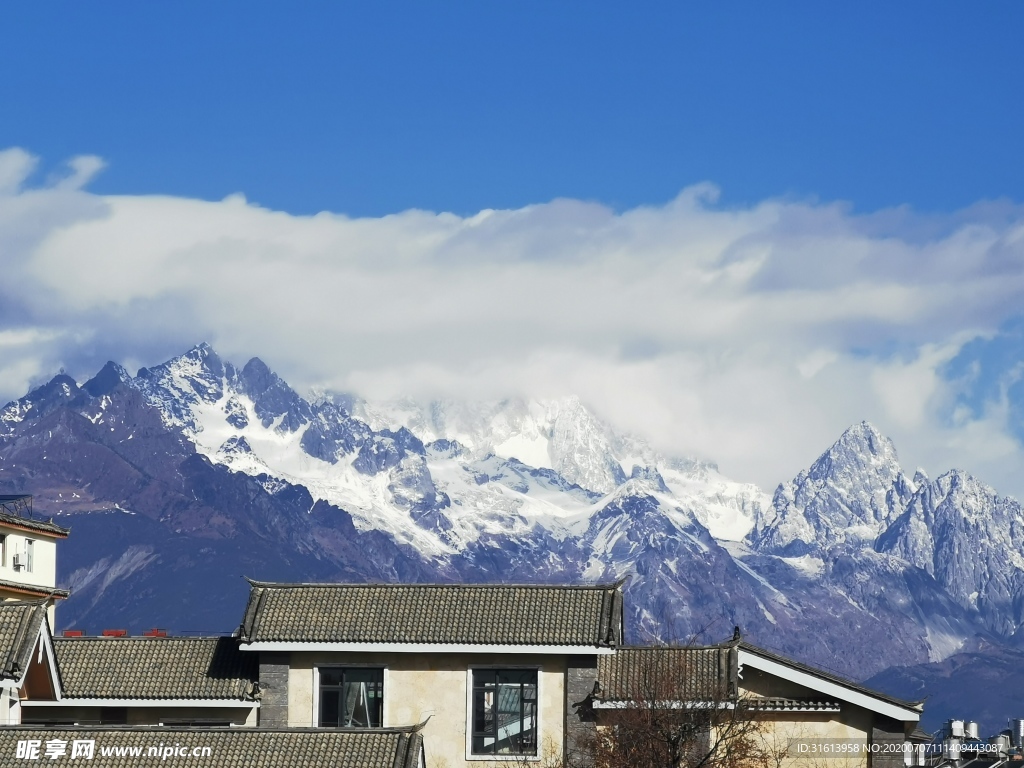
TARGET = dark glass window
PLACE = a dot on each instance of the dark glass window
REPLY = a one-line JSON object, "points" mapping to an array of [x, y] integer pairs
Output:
{"points": [[351, 697], [504, 712], [114, 715]]}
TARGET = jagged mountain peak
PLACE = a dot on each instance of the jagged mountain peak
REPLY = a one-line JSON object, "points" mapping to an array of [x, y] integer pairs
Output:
{"points": [[861, 448], [60, 386], [180, 385], [202, 354], [200, 363], [866, 433], [532, 489], [58, 390], [106, 379], [971, 540], [848, 496], [581, 448], [272, 397], [258, 370]]}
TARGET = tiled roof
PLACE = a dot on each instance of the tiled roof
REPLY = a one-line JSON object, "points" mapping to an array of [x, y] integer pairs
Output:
{"points": [[829, 676], [489, 614], [32, 589], [779, 704], [43, 526], [20, 624], [229, 747], [664, 674], [155, 668]]}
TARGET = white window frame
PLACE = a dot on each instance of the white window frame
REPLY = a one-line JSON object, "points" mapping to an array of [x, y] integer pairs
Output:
{"points": [[30, 555], [315, 719], [469, 715]]}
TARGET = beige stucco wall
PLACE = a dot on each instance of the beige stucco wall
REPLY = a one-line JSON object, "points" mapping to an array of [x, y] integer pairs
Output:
{"points": [[771, 733], [851, 722], [436, 686], [777, 729]]}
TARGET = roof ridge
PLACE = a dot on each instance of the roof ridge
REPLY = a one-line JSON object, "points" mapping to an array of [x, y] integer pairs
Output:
{"points": [[43, 592], [832, 676], [31, 523], [455, 585], [22, 636], [399, 729], [80, 638], [670, 647], [12, 603], [533, 614]]}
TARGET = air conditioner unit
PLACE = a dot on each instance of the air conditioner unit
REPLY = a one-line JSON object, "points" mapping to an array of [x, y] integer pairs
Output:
{"points": [[19, 561]]}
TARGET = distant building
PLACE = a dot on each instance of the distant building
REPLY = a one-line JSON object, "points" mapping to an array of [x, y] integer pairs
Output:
{"points": [[28, 553]]}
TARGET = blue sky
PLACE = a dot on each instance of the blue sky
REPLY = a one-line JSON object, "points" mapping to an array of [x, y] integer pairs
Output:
{"points": [[372, 108], [733, 228]]}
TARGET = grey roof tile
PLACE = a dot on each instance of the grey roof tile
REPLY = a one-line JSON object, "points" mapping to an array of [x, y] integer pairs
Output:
{"points": [[230, 748], [782, 704], [155, 668], [830, 676], [33, 589], [432, 613], [20, 624], [659, 673], [47, 527], [697, 673]]}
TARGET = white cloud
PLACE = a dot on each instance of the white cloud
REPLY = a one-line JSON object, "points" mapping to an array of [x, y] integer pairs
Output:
{"points": [[15, 166], [82, 170], [752, 336]]}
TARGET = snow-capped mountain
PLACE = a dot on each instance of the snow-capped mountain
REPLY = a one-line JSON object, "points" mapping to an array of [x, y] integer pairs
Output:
{"points": [[849, 495], [197, 471], [971, 541], [435, 476]]}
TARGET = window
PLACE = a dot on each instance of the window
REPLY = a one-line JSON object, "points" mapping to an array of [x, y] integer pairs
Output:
{"points": [[351, 697], [504, 712], [114, 716], [197, 723], [30, 549], [3, 550]]}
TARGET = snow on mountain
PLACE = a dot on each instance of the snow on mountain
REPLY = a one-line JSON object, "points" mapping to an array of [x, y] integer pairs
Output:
{"points": [[518, 463], [60, 389], [945, 553], [252, 422], [849, 495], [971, 541], [561, 435], [565, 437], [539, 490]]}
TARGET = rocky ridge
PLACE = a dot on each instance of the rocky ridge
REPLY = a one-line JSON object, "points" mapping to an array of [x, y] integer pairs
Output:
{"points": [[192, 473]]}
